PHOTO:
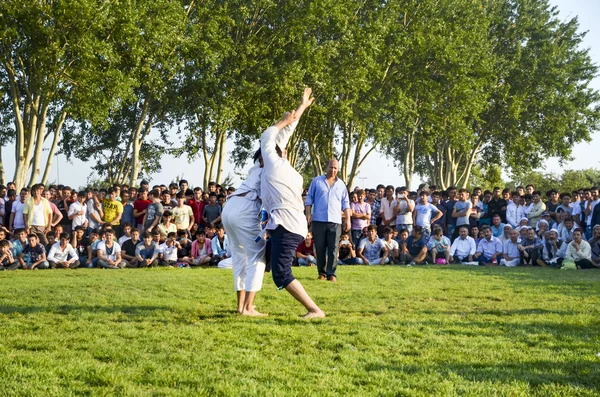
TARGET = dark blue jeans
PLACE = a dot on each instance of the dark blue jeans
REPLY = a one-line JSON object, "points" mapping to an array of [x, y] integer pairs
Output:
{"points": [[326, 236], [283, 249]]}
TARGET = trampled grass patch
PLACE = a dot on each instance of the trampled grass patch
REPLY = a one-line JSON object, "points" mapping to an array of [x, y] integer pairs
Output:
{"points": [[389, 331]]}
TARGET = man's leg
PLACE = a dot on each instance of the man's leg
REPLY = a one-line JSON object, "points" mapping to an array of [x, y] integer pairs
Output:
{"points": [[40, 232], [319, 231], [585, 264], [334, 230], [75, 264]]}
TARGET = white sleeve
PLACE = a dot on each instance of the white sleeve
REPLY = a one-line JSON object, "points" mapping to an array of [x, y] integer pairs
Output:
{"points": [[72, 210], [267, 145]]}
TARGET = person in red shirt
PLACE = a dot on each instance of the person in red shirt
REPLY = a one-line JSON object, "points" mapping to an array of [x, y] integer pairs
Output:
{"points": [[306, 251], [140, 207], [197, 204]]}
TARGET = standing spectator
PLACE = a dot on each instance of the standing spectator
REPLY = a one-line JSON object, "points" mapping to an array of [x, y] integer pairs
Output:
{"points": [[37, 214], [580, 252], [211, 212], [63, 205], [327, 198], [449, 206], [112, 208], [375, 207], [388, 203], [536, 209], [461, 210], [361, 214], [183, 214], [8, 204], [153, 212], [423, 215], [436, 201], [16, 216], [94, 211], [56, 215], [404, 210], [552, 203], [77, 212], [140, 207], [128, 203], [514, 210], [197, 205]]}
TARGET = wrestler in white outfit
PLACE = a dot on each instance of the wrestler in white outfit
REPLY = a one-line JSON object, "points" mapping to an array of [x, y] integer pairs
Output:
{"points": [[241, 218]]}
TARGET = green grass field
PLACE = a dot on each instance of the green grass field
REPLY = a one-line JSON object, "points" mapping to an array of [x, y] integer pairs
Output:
{"points": [[389, 331]]}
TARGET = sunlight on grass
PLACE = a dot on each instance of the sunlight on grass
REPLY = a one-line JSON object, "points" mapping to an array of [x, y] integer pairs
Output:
{"points": [[389, 331]]}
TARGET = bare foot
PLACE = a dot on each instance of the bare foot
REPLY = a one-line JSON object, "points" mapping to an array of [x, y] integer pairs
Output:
{"points": [[253, 313], [317, 314]]}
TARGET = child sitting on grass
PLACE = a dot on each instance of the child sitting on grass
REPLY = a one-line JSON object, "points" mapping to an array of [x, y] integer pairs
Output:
{"points": [[201, 249], [7, 260], [306, 251]]}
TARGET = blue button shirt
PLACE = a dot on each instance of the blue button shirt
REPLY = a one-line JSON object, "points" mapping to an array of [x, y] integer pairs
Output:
{"points": [[327, 202]]}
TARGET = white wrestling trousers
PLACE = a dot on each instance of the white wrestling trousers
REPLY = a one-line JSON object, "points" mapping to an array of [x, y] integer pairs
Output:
{"points": [[242, 224], [511, 263]]}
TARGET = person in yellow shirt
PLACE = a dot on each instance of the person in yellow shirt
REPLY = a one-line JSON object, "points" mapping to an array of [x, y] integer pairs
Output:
{"points": [[112, 208]]}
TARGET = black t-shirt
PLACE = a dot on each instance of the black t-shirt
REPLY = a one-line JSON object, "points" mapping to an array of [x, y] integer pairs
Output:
{"points": [[64, 211], [7, 211], [185, 249], [129, 247], [82, 246], [35, 253], [495, 207]]}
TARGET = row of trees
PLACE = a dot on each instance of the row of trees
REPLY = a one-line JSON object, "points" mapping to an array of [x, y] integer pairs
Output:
{"points": [[442, 87]]}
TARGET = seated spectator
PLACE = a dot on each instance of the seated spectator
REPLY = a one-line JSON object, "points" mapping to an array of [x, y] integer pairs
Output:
{"points": [[94, 241], [542, 227], [475, 234], [488, 249], [109, 252], [523, 223], [506, 234], [305, 253], [417, 247], [372, 250], [566, 234], [220, 245], [463, 247], [439, 247], [511, 256], [18, 245], [146, 253], [128, 249], [580, 252], [497, 226], [83, 246], [391, 245], [530, 248], [554, 250], [62, 254], [595, 245], [7, 260], [184, 247], [166, 226], [168, 253], [346, 252], [126, 226], [34, 254], [201, 249]]}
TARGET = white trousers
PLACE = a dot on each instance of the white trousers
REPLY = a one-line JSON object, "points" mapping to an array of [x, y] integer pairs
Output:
{"points": [[242, 223], [511, 263]]}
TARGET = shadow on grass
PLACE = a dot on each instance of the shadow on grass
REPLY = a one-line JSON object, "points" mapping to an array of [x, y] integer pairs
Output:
{"points": [[579, 374]]}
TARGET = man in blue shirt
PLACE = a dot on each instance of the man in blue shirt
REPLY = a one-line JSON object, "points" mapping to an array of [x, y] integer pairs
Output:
{"points": [[417, 247], [327, 197]]}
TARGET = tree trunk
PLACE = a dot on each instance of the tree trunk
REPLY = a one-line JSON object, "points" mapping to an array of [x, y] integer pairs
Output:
{"points": [[2, 172], [40, 131], [137, 143], [221, 151], [57, 130]]}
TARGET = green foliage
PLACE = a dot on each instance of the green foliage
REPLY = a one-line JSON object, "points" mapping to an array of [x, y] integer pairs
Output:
{"points": [[568, 181], [435, 330]]}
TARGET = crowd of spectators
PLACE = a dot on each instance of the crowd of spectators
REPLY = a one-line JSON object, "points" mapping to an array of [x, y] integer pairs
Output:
{"points": [[128, 227]]}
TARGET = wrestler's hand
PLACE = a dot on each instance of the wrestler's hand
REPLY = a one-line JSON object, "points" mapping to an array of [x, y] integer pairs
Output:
{"points": [[307, 100]]}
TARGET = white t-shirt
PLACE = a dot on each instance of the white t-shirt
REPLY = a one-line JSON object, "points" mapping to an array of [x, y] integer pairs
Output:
{"points": [[38, 215], [74, 208], [17, 209], [401, 218], [112, 255], [424, 212]]}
